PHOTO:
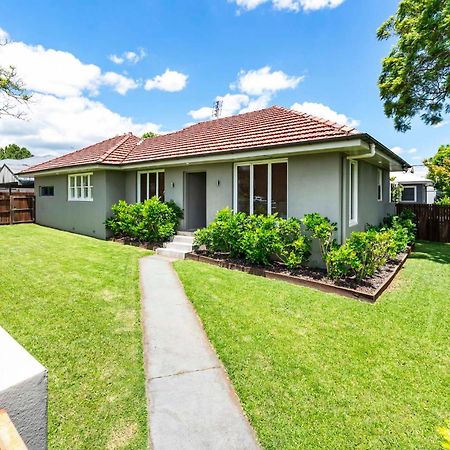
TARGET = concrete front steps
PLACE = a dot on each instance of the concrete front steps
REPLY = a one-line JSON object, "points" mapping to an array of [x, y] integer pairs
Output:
{"points": [[178, 247]]}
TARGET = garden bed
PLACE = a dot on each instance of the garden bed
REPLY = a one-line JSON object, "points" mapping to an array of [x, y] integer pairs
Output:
{"points": [[368, 289], [136, 243]]}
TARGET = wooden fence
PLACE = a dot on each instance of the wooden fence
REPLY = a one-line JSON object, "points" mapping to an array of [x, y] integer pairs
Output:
{"points": [[17, 208], [433, 221]]}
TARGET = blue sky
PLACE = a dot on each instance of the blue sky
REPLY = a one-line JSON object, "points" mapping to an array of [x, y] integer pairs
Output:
{"points": [[321, 55]]}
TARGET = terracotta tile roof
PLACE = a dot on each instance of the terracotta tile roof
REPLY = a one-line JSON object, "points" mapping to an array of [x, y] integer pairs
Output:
{"points": [[271, 127]]}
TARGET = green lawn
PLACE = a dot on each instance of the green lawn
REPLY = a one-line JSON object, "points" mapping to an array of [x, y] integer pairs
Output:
{"points": [[319, 371], [73, 302]]}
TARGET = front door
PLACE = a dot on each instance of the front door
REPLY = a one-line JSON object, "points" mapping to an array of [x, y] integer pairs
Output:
{"points": [[195, 210]]}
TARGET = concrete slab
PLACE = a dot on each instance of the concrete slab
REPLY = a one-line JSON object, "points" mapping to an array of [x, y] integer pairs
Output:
{"points": [[192, 404]]}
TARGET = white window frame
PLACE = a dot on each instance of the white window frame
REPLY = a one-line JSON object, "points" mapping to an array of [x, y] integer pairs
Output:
{"points": [[353, 196], [89, 186], [269, 163], [138, 181], [415, 194], [380, 185]]}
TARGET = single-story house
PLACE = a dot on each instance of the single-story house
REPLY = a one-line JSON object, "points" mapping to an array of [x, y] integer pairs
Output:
{"points": [[416, 187], [267, 161]]}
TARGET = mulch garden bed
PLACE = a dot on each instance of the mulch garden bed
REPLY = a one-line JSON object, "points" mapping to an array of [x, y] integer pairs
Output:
{"points": [[136, 243], [367, 290]]}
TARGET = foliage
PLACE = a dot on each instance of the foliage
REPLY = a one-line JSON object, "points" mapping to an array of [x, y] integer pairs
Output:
{"points": [[13, 151], [149, 221], [323, 229], [445, 201], [223, 234], [149, 134], [256, 238], [396, 190], [407, 220], [294, 247], [304, 362], [415, 77], [179, 214], [342, 262], [13, 93], [445, 435], [439, 170]]}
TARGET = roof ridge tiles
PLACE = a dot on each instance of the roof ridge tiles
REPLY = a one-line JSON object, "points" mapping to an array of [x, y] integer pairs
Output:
{"points": [[115, 147]]}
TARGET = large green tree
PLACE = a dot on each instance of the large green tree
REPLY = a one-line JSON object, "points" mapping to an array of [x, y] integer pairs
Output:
{"points": [[415, 77], [439, 170], [13, 151], [149, 134]]}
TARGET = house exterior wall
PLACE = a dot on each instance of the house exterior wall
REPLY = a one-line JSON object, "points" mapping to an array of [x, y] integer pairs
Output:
{"points": [[370, 210], [83, 217]]}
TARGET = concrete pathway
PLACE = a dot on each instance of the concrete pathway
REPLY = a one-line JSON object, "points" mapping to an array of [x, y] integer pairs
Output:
{"points": [[192, 404]]}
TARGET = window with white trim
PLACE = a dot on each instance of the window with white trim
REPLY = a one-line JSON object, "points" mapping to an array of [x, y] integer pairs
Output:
{"points": [[261, 187], [409, 194], [80, 187], [149, 184], [380, 186], [353, 193]]}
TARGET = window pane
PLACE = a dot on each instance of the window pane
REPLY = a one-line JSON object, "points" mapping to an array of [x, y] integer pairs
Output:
{"points": [[72, 192], [71, 181], [152, 184], [161, 185], [352, 191], [243, 194], [78, 192], [86, 192], [260, 189], [408, 194], [143, 184], [279, 189]]}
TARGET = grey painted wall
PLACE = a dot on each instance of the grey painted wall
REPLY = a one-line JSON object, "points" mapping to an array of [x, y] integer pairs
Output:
{"points": [[370, 210], [77, 216]]}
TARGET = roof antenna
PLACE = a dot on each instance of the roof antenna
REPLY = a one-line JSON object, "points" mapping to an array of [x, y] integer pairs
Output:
{"points": [[217, 109]]}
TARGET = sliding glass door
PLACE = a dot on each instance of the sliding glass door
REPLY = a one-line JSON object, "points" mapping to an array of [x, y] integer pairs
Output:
{"points": [[261, 188]]}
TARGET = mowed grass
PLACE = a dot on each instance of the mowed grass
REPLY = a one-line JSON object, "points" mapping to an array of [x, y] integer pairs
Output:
{"points": [[73, 303], [320, 371]]}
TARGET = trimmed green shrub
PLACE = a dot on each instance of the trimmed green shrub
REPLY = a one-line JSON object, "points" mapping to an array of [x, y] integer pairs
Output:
{"points": [[256, 238], [342, 262], [149, 221], [223, 234], [323, 229]]}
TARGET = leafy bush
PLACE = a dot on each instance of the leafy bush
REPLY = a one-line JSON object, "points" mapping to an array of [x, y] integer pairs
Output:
{"points": [[323, 229], [256, 238], [443, 201], [149, 221], [223, 234]]}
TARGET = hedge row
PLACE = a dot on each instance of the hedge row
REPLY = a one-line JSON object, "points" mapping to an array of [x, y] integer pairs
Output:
{"points": [[261, 239]]}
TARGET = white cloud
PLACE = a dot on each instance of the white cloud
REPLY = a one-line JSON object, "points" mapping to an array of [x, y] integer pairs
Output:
{"points": [[170, 81], [325, 112], [129, 56], [401, 150], [233, 103], [57, 125], [257, 103], [290, 5], [204, 112], [60, 73], [4, 36], [441, 124], [120, 83], [116, 59], [264, 81]]}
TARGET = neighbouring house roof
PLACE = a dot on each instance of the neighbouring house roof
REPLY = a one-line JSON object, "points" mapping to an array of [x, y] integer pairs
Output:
{"points": [[411, 178], [271, 127]]}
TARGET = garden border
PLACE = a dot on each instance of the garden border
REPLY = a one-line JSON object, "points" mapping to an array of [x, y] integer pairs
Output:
{"points": [[319, 285]]}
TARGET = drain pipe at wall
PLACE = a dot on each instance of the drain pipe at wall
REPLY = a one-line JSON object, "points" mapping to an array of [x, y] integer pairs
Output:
{"points": [[371, 153]]}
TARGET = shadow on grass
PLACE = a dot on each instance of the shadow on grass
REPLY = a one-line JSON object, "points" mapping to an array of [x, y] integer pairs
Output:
{"points": [[433, 251]]}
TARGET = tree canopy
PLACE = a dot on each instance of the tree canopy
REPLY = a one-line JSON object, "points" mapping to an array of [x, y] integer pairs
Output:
{"points": [[439, 170], [149, 134], [13, 151], [415, 76]]}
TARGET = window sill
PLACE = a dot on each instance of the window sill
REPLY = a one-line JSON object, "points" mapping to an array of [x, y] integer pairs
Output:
{"points": [[80, 200], [353, 223]]}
